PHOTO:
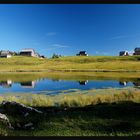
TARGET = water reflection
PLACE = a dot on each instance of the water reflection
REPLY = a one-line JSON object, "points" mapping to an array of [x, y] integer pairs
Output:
{"points": [[6, 84], [136, 83], [29, 84], [45, 84], [83, 82], [124, 83]]}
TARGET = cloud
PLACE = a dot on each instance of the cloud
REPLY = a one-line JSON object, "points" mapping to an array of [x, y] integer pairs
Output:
{"points": [[118, 37], [50, 33], [60, 46], [56, 46]]}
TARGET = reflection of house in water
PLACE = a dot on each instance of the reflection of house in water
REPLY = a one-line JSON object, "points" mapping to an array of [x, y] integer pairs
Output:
{"points": [[123, 83], [83, 82], [136, 84], [29, 84], [6, 84]]}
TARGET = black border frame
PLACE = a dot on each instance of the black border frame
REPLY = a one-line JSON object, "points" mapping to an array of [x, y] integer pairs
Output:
{"points": [[69, 2]]}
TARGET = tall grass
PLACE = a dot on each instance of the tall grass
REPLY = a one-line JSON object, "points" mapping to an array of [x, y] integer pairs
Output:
{"points": [[77, 98]]}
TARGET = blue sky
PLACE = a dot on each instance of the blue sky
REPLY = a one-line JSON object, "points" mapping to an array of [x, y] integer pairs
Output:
{"points": [[66, 29]]}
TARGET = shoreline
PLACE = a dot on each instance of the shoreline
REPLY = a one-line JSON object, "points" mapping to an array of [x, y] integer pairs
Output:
{"points": [[68, 70]]}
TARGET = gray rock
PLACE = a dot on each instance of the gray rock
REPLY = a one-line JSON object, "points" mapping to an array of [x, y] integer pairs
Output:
{"points": [[21, 108], [5, 118], [18, 125], [28, 125], [26, 114]]}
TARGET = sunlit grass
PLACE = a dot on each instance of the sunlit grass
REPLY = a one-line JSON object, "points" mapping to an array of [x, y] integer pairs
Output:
{"points": [[76, 98], [71, 63]]}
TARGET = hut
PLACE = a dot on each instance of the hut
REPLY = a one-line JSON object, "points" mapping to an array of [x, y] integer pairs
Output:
{"points": [[82, 53], [29, 52], [5, 54], [123, 53], [136, 51]]}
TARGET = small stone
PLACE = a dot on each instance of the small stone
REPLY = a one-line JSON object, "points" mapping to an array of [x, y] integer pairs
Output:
{"points": [[26, 114], [18, 125], [11, 127], [32, 128], [28, 125]]}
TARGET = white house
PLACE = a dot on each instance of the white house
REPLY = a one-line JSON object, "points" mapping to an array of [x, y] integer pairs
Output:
{"points": [[124, 53], [5, 54], [29, 52]]}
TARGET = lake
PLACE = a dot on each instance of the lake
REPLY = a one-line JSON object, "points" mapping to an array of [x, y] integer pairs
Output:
{"points": [[38, 83]]}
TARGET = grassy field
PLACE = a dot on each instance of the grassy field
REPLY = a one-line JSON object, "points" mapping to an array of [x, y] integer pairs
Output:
{"points": [[71, 63], [111, 112]]}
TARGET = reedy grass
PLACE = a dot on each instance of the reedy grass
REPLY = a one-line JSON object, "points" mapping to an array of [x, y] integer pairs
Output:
{"points": [[76, 98]]}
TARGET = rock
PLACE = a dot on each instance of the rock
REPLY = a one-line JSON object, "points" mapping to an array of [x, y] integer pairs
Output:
{"points": [[32, 128], [26, 114], [21, 111], [5, 118], [14, 107], [18, 125], [28, 126]]}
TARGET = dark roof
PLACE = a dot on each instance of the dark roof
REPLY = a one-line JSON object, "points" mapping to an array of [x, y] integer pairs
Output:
{"points": [[82, 51], [122, 51], [137, 49]]}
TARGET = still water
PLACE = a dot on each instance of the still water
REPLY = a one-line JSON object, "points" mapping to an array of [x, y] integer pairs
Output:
{"points": [[45, 84]]}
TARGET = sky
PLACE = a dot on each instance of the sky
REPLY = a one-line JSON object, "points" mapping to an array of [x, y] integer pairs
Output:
{"points": [[66, 29]]}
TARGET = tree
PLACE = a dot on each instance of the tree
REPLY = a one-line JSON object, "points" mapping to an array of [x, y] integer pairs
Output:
{"points": [[56, 56]]}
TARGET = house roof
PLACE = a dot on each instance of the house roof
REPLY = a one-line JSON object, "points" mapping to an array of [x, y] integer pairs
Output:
{"points": [[5, 52], [28, 50], [82, 51], [137, 49], [123, 51]]}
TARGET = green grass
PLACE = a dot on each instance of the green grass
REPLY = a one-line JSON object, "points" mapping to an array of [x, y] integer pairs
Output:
{"points": [[71, 63]]}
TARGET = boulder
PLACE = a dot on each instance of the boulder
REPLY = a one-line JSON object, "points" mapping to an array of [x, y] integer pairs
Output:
{"points": [[21, 111], [4, 118], [17, 108]]}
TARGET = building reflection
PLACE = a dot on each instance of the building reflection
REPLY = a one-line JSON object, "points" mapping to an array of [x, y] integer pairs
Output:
{"points": [[28, 84], [124, 83], [83, 82], [136, 84], [6, 84]]}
